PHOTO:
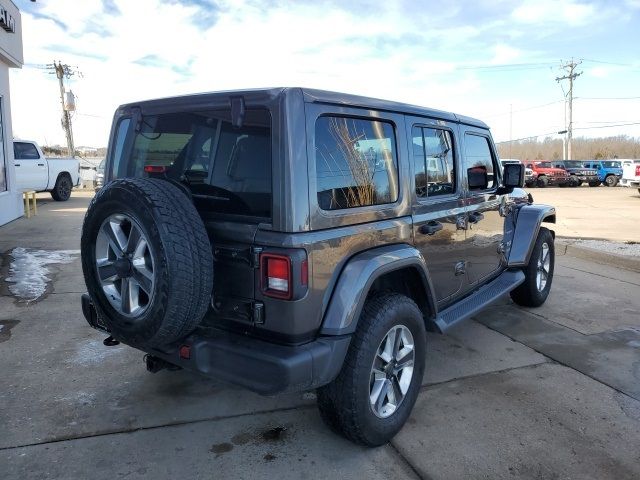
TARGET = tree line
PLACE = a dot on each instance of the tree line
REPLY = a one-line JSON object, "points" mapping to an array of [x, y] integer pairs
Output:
{"points": [[550, 148]]}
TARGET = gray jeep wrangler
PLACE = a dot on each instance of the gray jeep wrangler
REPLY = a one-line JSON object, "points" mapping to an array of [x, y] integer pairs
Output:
{"points": [[291, 239]]}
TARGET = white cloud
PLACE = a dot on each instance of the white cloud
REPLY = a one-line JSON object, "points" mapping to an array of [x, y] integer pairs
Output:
{"points": [[552, 11], [154, 49]]}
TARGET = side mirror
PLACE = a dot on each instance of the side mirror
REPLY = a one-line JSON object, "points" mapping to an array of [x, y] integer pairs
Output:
{"points": [[478, 178], [513, 176]]}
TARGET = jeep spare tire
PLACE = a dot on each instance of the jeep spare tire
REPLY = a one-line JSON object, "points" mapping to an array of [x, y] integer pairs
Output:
{"points": [[147, 261]]}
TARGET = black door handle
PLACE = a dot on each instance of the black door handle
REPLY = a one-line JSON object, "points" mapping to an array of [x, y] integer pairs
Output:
{"points": [[475, 217], [41, 164], [16, 164], [430, 228]]}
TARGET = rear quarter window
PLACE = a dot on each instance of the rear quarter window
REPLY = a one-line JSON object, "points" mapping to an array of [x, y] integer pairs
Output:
{"points": [[356, 162]]}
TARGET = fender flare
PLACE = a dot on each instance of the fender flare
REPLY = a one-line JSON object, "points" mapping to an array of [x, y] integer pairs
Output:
{"points": [[530, 218], [357, 277]]}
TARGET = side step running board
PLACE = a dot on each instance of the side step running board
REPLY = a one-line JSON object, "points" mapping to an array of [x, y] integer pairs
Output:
{"points": [[478, 300]]}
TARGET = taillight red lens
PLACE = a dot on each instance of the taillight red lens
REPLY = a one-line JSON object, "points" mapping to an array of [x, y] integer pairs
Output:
{"points": [[637, 170], [276, 271], [155, 168]]}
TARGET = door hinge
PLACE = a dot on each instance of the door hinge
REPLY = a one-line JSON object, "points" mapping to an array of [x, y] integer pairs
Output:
{"points": [[255, 256], [258, 313]]}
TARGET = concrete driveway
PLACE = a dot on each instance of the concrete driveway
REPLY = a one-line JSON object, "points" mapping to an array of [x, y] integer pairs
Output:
{"points": [[546, 393]]}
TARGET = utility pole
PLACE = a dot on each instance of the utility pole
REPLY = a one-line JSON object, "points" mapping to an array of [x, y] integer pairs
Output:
{"points": [[569, 67], [63, 71]]}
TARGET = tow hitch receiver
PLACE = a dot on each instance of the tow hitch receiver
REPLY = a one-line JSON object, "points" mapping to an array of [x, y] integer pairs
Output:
{"points": [[155, 364]]}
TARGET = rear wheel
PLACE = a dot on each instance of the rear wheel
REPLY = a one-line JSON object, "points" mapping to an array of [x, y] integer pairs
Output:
{"points": [[62, 189], [575, 181], [611, 181], [538, 273], [375, 391]]}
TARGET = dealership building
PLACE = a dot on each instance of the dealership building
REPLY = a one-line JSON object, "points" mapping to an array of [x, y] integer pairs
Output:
{"points": [[10, 57]]}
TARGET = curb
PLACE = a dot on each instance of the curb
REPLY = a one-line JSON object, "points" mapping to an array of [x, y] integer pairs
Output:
{"points": [[585, 253]]}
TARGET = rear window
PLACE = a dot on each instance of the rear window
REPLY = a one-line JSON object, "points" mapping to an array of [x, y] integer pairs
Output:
{"points": [[25, 151], [227, 169]]}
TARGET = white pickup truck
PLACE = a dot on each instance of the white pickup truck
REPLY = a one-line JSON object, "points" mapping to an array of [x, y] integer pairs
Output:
{"points": [[35, 172], [630, 174]]}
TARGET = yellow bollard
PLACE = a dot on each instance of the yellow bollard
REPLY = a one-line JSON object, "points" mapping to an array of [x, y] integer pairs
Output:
{"points": [[29, 196]]}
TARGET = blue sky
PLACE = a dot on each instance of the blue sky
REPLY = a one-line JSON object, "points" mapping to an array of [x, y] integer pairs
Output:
{"points": [[479, 58]]}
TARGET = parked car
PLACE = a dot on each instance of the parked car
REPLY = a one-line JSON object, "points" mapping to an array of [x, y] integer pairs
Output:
{"points": [[99, 178], [530, 176], [35, 172], [631, 174], [578, 173], [293, 239], [609, 171], [547, 174]]}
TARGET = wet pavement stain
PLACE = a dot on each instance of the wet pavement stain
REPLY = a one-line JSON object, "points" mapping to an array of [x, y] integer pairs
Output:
{"points": [[5, 329], [273, 434], [241, 438], [221, 448]]}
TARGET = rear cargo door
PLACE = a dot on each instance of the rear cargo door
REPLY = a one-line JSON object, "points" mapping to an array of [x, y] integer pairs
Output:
{"points": [[226, 168]]}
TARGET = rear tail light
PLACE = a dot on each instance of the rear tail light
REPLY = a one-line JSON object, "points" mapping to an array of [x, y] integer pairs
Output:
{"points": [[276, 275], [637, 170]]}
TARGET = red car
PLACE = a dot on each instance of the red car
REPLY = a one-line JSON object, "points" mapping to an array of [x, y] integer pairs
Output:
{"points": [[548, 174]]}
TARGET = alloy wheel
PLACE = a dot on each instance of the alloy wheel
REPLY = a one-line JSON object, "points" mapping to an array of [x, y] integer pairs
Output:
{"points": [[392, 371], [124, 262], [543, 267]]}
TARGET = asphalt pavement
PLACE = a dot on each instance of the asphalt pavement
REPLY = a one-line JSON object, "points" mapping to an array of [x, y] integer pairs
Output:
{"points": [[515, 393]]}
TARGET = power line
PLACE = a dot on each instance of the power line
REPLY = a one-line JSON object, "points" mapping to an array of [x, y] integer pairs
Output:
{"points": [[606, 98], [607, 126]]}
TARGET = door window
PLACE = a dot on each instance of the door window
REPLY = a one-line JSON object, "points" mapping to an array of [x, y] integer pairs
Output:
{"points": [[478, 157], [433, 164], [25, 151], [356, 163]]}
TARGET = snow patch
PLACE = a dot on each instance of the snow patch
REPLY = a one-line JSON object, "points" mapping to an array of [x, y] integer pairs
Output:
{"points": [[93, 352], [29, 269]]}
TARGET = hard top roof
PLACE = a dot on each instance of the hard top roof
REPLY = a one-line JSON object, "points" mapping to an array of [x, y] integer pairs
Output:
{"points": [[317, 96]]}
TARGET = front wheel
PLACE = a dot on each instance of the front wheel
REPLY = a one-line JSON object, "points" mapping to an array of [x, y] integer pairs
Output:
{"points": [[62, 189], [374, 393], [611, 181], [542, 182], [538, 273]]}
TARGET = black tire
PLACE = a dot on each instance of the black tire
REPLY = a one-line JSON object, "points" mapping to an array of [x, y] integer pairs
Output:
{"points": [[62, 189], [528, 294], [594, 184], [610, 181], [344, 403], [182, 260], [542, 182], [575, 181]]}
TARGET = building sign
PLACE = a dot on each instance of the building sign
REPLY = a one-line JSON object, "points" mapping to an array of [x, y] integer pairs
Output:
{"points": [[6, 21]]}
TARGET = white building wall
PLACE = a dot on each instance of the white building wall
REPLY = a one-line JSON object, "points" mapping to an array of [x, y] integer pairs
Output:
{"points": [[10, 56]]}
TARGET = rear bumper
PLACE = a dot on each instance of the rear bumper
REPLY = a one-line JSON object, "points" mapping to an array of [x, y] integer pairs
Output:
{"points": [[260, 366]]}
